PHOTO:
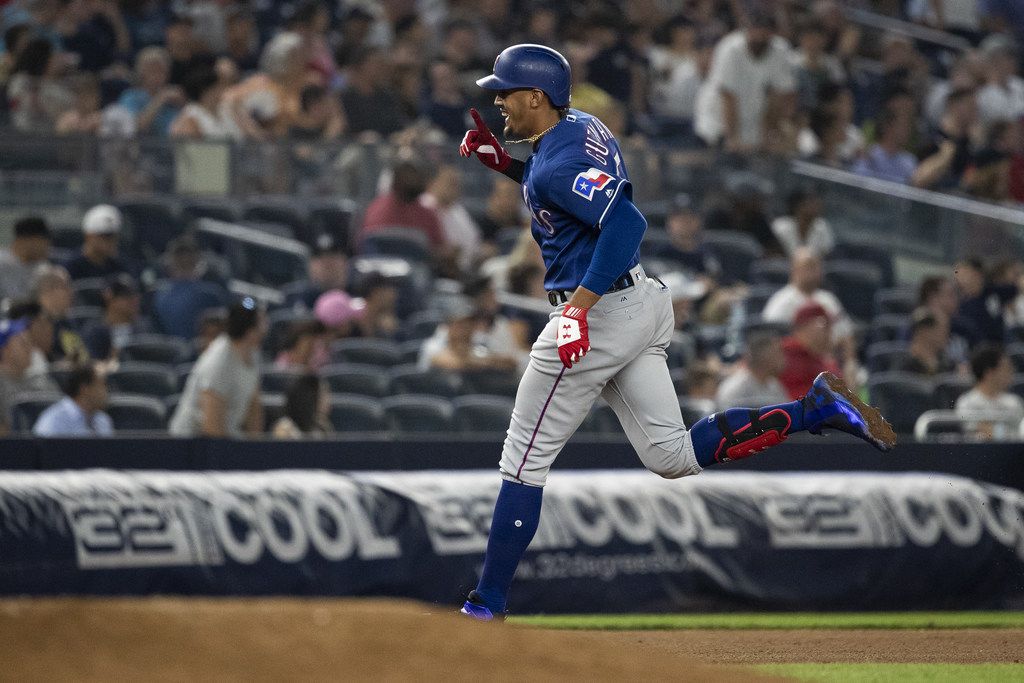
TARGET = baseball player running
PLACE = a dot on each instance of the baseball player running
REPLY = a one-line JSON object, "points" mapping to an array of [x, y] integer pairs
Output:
{"points": [[611, 324]]}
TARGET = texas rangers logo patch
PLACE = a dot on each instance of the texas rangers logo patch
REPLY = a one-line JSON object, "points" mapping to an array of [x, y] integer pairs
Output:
{"points": [[589, 182]]}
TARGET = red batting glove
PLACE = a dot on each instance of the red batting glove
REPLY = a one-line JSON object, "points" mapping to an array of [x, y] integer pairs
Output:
{"points": [[573, 337], [482, 141]]}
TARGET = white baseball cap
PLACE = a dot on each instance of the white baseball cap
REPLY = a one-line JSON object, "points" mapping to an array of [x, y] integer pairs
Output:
{"points": [[102, 219]]}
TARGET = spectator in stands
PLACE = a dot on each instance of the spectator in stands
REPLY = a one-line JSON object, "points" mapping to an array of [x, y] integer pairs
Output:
{"points": [[401, 206], [311, 20], [453, 347], [242, 40], [222, 393], [750, 67], [146, 21], [888, 159], [803, 225], [929, 337], [947, 157], [447, 105], [1002, 97], [686, 293], [212, 323], [29, 248], [95, 32], [328, 269], [339, 312], [965, 73], [813, 66], [36, 93], [319, 119], [307, 410], [154, 102], [494, 330], [702, 381], [15, 359], [831, 135], [104, 338], [101, 229], [676, 73], [992, 172], [462, 236], [757, 377], [85, 116], [80, 412], [186, 50], [40, 331], [1003, 16], [504, 209], [51, 287], [370, 105], [201, 117], [303, 349], [743, 209], [686, 245], [179, 303], [380, 317], [990, 398], [981, 301], [808, 350], [937, 294], [264, 105], [615, 67], [15, 38]]}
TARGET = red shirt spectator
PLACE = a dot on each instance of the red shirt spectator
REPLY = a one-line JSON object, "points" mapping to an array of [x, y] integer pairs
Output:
{"points": [[808, 351], [401, 208]]}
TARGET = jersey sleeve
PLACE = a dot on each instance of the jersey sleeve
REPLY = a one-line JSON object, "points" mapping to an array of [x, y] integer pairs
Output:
{"points": [[585, 192]]}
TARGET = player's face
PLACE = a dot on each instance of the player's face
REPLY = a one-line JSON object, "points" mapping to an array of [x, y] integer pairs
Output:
{"points": [[516, 107]]}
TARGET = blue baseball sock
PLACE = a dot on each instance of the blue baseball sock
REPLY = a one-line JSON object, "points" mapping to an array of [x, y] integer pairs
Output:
{"points": [[516, 515], [774, 423]]}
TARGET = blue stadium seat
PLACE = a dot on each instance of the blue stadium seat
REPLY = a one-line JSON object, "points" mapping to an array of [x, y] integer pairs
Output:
{"points": [[407, 243], [147, 379], [889, 327], [492, 382], [354, 413], [356, 378], [181, 373], [773, 271], [879, 255], [854, 283], [27, 407], [948, 388], [422, 325], [278, 381], [896, 300], [886, 355], [152, 222], [131, 413], [220, 210], [89, 291], [474, 413], [381, 352], [410, 379], [280, 210], [156, 348], [901, 397], [735, 250], [418, 413]]}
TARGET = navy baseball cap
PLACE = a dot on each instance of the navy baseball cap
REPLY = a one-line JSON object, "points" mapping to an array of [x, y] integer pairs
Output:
{"points": [[10, 329]]}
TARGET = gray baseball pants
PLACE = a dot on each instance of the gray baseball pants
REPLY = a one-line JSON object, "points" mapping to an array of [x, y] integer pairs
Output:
{"points": [[629, 331]]}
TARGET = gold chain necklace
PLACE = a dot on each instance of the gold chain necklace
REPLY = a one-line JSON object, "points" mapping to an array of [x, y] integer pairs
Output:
{"points": [[533, 138]]}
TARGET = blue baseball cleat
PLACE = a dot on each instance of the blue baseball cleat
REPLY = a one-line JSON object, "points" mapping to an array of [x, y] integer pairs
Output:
{"points": [[475, 609], [830, 404]]}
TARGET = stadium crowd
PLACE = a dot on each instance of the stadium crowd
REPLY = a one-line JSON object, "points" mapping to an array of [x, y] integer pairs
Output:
{"points": [[159, 341]]}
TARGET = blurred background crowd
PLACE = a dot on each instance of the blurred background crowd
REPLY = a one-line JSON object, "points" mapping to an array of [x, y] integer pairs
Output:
{"points": [[301, 309]]}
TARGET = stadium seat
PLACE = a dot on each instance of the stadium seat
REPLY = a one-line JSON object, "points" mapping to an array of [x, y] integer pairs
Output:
{"points": [[1018, 385], [60, 375], [278, 381], [181, 373], [334, 218], [601, 420], [281, 211], [889, 327], [757, 297], [895, 300], [886, 355], [410, 379], [131, 413], [678, 376], [877, 254], [418, 413], [1016, 353], [410, 351], [89, 291], [225, 210], [948, 388], [475, 413], [901, 397], [368, 351], [27, 407], [354, 413], [407, 243], [772, 271], [422, 325], [152, 223], [735, 250], [356, 378], [147, 379], [278, 324], [854, 283], [273, 409], [171, 404], [655, 243], [68, 237], [693, 409], [492, 382], [80, 316], [156, 348]]}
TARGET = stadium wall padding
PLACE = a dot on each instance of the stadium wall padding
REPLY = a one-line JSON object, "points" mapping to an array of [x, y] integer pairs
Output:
{"points": [[609, 540]]}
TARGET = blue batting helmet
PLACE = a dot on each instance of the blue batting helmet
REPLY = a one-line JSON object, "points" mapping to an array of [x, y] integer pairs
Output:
{"points": [[531, 66]]}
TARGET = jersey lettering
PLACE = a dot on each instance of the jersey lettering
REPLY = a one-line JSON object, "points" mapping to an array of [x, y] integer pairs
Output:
{"points": [[542, 216]]}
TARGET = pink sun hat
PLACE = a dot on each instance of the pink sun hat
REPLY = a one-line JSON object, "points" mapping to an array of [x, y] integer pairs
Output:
{"points": [[335, 308]]}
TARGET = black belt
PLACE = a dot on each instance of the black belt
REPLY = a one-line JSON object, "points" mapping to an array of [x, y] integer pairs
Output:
{"points": [[563, 295]]}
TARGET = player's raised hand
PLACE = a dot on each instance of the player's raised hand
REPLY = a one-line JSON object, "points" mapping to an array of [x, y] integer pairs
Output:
{"points": [[482, 142], [573, 337]]}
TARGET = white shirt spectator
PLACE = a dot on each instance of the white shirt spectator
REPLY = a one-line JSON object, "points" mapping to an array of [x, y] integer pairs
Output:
{"points": [[66, 418], [819, 240], [996, 103], [1009, 408], [742, 389], [808, 144], [783, 305], [460, 230], [674, 91], [734, 69]]}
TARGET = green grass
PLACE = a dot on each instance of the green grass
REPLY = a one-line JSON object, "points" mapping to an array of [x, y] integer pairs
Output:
{"points": [[629, 622], [904, 673]]}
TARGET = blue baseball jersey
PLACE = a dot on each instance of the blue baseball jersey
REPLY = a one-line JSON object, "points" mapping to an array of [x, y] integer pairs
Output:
{"points": [[571, 182]]}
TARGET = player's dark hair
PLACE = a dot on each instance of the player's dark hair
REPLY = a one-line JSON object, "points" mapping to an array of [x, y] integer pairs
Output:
{"points": [[242, 317], [985, 358], [80, 377], [301, 401], [929, 287], [31, 226]]}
